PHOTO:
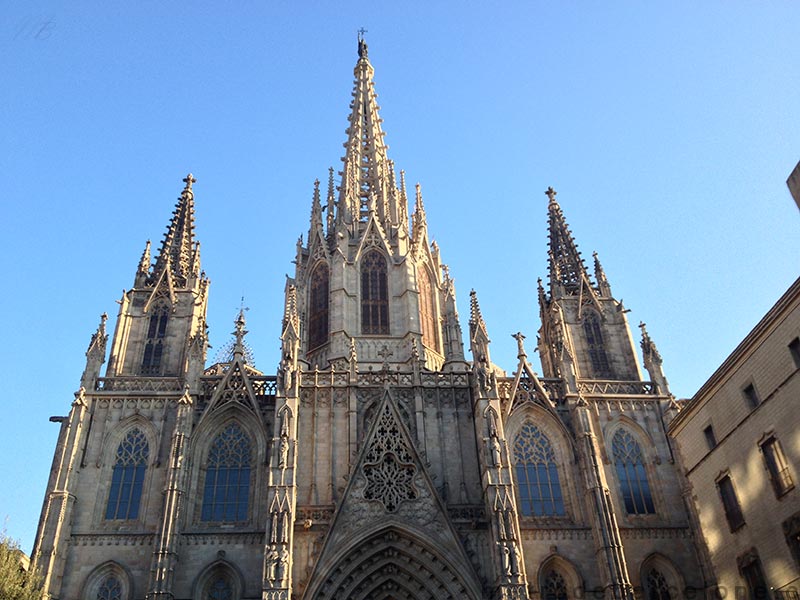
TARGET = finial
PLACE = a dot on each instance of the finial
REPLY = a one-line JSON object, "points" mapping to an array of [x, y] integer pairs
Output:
{"points": [[520, 347], [551, 193], [144, 262], [240, 332], [362, 44], [474, 309], [189, 180]]}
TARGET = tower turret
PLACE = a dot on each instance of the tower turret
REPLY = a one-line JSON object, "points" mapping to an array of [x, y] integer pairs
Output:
{"points": [[164, 314], [584, 333]]}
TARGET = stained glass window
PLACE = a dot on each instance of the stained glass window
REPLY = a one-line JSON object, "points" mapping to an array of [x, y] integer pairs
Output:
{"points": [[594, 341], [127, 477], [227, 485], [154, 345], [657, 586], [318, 307], [374, 294], [554, 587], [537, 473], [110, 589], [427, 315], [629, 463], [219, 589]]}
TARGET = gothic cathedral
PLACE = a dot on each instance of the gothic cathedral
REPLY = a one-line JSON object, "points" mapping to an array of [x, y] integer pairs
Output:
{"points": [[378, 463]]}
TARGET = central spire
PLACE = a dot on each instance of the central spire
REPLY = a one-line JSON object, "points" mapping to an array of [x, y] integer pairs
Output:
{"points": [[368, 175], [178, 250], [567, 268]]}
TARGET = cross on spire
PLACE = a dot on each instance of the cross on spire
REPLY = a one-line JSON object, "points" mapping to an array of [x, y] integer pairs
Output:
{"points": [[189, 180], [551, 193]]}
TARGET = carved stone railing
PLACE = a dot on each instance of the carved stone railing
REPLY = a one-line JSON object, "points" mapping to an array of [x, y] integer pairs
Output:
{"points": [[616, 388], [379, 378], [263, 385], [555, 387], [138, 384]]}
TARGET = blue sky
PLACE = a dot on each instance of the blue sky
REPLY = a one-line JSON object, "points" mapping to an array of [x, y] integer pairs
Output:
{"points": [[668, 130]]}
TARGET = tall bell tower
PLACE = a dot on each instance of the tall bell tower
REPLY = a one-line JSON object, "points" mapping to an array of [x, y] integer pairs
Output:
{"points": [[162, 319], [368, 281]]}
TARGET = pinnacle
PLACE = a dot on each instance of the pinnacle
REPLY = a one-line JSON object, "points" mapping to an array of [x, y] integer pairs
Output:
{"points": [[177, 249], [475, 315]]}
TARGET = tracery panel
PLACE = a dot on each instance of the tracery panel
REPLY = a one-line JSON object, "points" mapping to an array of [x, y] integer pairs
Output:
{"points": [[536, 472], [226, 492], [374, 294], [631, 472], [127, 477]]}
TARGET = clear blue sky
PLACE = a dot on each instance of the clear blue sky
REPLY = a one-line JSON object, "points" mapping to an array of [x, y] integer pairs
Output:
{"points": [[667, 130]]}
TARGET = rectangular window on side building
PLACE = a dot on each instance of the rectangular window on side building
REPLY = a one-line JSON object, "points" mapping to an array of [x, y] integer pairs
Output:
{"points": [[777, 466], [751, 396], [711, 439], [733, 512], [794, 349]]}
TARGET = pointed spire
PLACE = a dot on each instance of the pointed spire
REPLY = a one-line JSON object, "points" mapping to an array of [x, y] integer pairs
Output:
{"points": [[331, 202], [419, 220], [316, 210], [144, 262], [566, 265], [239, 349], [600, 276], [95, 354], [290, 315], [177, 249], [366, 169], [475, 316], [649, 349]]}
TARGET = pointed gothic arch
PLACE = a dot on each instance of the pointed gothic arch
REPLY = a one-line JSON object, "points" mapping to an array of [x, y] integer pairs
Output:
{"points": [[595, 344], [559, 579], [318, 303], [154, 341], [374, 293], [562, 447], [536, 473], [394, 563], [220, 580], [126, 455], [631, 468], [428, 314], [203, 438], [108, 581], [659, 579]]}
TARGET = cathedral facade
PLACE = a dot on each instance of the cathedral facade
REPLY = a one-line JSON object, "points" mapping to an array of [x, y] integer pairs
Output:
{"points": [[380, 462]]}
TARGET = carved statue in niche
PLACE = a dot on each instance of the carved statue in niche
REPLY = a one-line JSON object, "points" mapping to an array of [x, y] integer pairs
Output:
{"points": [[491, 421], [485, 373], [283, 455], [272, 563], [505, 555], [501, 525], [283, 565], [496, 451]]}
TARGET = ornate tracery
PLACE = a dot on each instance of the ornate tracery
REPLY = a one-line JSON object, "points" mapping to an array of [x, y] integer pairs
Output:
{"points": [[596, 345], [318, 306], [226, 493], [127, 479], [537, 473], [631, 472], [427, 313], [374, 294], [154, 344]]}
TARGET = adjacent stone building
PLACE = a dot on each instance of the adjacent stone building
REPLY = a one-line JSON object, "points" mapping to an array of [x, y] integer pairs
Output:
{"points": [[379, 462], [739, 438]]}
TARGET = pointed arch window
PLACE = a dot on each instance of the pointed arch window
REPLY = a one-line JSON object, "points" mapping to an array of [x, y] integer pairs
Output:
{"points": [[595, 345], [554, 586], [154, 344], [226, 492], [110, 589], [427, 313], [632, 475], [537, 474], [318, 306], [657, 586], [374, 294], [127, 478]]}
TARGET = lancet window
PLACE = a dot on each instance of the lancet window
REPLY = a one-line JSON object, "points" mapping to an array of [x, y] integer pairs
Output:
{"points": [[632, 475], [537, 474], [127, 478], [657, 586], [374, 294], [427, 314], [554, 586], [219, 589], [154, 344], [318, 306], [595, 345], [110, 589], [226, 492]]}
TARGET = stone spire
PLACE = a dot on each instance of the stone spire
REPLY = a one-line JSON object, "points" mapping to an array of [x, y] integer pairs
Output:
{"points": [[652, 361], [567, 270], [178, 249], [331, 202], [366, 171], [600, 276], [419, 220], [143, 271], [239, 349]]}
